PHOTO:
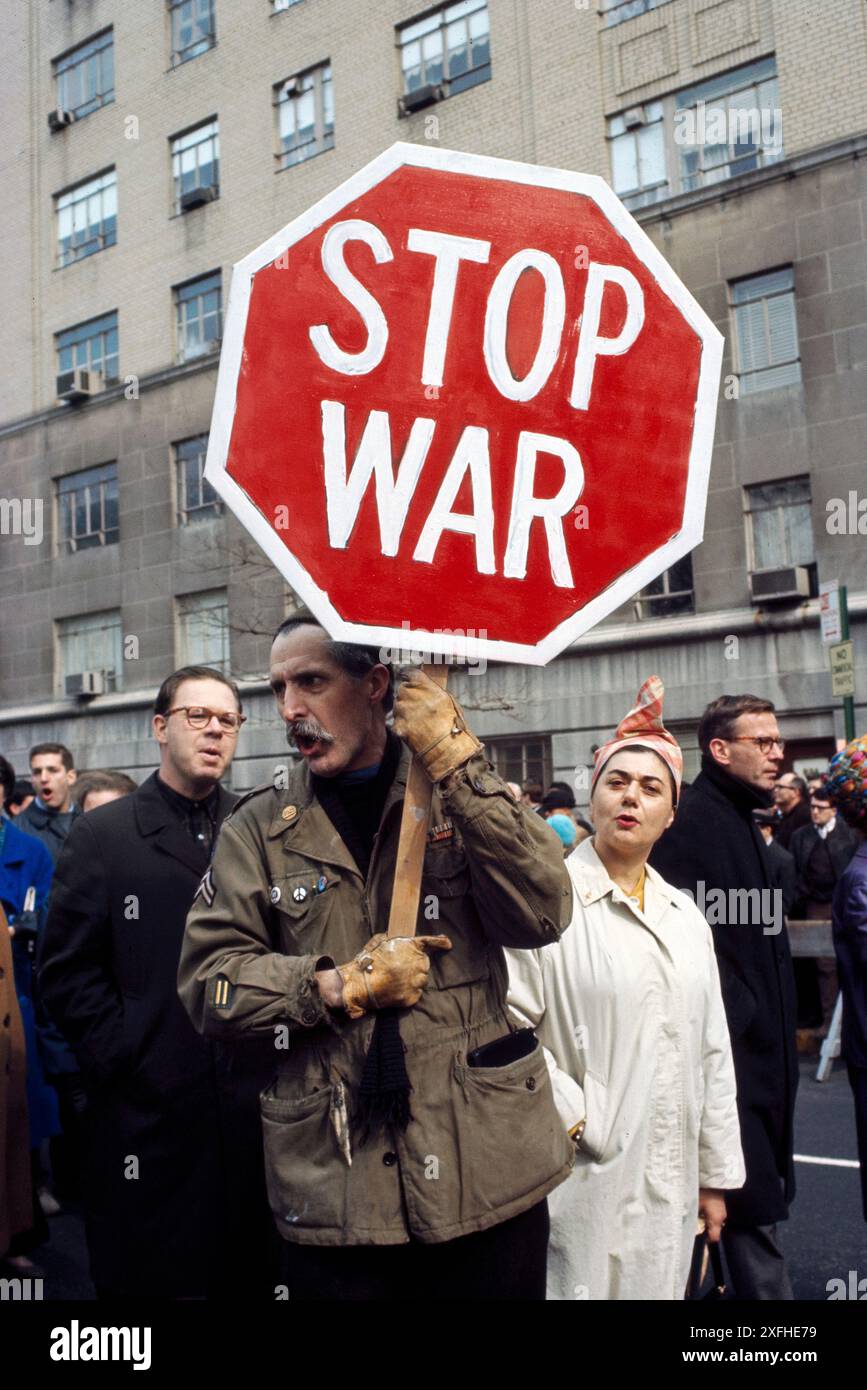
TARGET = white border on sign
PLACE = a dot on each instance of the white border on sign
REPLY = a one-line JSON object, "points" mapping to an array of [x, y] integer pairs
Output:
{"points": [[446, 643]]}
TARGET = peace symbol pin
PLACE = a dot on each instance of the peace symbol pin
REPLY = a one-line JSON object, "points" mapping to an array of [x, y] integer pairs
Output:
{"points": [[299, 893]]}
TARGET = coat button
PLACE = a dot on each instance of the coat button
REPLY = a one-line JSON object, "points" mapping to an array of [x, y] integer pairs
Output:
{"points": [[389, 1159], [530, 1083], [309, 1016]]}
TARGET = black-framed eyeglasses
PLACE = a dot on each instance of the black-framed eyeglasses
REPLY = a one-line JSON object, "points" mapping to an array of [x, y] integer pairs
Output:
{"points": [[764, 744], [199, 717]]}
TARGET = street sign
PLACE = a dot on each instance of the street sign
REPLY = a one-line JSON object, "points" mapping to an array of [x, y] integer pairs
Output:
{"points": [[465, 405], [829, 612], [842, 659]]}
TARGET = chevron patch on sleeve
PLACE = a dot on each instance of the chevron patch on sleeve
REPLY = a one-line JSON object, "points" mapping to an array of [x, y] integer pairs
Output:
{"points": [[222, 992], [206, 890]]}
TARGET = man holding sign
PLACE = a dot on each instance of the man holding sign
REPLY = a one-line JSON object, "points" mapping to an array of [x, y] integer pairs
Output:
{"points": [[397, 1147]]}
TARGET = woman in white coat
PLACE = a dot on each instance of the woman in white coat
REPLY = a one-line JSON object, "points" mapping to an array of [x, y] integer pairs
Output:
{"points": [[628, 1007]]}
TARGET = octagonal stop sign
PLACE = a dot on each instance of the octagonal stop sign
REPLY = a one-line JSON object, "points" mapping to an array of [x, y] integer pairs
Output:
{"points": [[464, 404]]}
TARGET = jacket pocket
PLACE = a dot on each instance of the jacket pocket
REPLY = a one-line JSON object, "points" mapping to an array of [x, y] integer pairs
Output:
{"points": [[511, 1141], [303, 903], [594, 1140], [304, 1171], [447, 906]]}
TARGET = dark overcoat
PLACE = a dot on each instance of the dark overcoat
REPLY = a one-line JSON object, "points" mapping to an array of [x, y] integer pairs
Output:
{"points": [[174, 1179], [715, 844]]}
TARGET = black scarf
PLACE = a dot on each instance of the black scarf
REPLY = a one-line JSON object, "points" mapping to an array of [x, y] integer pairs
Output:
{"points": [[355, 811]]}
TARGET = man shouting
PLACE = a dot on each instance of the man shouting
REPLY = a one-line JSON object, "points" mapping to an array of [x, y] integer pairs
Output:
{"points": [[400, 1163]]}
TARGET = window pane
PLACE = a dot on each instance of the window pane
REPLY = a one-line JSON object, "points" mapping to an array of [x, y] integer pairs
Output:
{"points": [[651, 155], [624, 163]]}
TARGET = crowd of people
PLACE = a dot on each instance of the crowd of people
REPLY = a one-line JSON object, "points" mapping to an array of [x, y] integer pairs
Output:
{"points": [[551, 1084]]}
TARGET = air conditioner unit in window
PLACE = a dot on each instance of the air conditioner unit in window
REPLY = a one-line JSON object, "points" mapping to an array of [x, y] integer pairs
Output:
{"points": [[634, 117], [421, 97], [767, 586], [197, 197], [58, 120], [84, 684], [78, 385]]}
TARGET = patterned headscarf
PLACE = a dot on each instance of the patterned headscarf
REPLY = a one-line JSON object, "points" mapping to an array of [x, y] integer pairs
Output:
{"points": [[846, 782], [642, 727]]}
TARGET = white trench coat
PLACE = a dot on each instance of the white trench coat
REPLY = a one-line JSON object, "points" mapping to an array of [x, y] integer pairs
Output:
{"points": [[628, 1007]]}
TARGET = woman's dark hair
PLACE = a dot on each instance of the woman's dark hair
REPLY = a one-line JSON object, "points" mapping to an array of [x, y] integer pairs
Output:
{"points": [[351, 657], [170, 686], [7, 779]]}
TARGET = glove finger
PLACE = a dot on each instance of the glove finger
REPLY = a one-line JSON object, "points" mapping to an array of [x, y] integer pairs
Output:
{"points": [[433, 943]]}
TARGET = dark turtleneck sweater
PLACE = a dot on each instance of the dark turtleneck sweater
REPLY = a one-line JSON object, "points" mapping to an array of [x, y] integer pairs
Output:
{"points": [[354, 801]]}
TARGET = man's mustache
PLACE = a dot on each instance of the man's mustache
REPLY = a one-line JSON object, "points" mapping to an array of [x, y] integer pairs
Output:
{"points": [[307, 728]]}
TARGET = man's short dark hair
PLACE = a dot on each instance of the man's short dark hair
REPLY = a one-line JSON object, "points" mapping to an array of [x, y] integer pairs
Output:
{"points": [[532, 788], [39, 749], [351, 657], [170, 686], [7, 779], [563, 792], [718, 720], [101, 780], [20, 792]]}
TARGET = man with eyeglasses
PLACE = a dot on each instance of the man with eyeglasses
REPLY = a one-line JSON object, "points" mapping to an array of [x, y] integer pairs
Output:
{"points": [[715, 852], [793, 807], [173, 1175]]}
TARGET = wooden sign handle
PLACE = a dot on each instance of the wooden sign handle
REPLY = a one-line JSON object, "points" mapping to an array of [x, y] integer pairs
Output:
{"points": [[414, 824]]}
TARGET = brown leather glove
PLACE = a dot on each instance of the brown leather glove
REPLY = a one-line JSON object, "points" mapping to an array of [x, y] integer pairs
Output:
{"points": [[389, 972], [433, 724]]}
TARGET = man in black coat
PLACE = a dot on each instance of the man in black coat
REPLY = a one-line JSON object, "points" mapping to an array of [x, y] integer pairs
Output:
{"points": [[782, 872], [173, 1175], [793, 807], [821, 851], [715, 852]]}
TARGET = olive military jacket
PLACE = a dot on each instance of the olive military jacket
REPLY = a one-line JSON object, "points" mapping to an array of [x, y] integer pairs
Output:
{"points": [[284, 892]]}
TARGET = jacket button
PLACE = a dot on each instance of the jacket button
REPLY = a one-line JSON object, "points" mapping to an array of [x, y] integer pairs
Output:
{"points": [[530, 1083], [309, 1016], [389, 1159]]}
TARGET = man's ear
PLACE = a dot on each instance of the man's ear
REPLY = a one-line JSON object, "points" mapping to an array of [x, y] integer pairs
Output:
{"points": [[158, 725], [70, 776], [379, 682], [718, 750]]}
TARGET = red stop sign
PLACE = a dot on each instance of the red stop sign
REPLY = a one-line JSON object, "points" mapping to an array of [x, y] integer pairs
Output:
{"points": [[465, 405]]}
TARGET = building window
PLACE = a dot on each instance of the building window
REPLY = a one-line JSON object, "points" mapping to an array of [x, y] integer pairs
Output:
{"points": [[85, 76], [638, 154], [86, 218], [203, 630], [305, 115], [616, 11], [699, 136], [199, 316], [196, 498], [780, 524], [766, 331], [196, 166], [91, 345], [521, 759], [729, 125], [87, 509], [193, 29], [670, 594], [92, 642], [450, 48]]}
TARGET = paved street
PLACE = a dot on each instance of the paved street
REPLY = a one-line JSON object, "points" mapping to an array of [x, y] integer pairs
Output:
{"points": [[825, 1238]]}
